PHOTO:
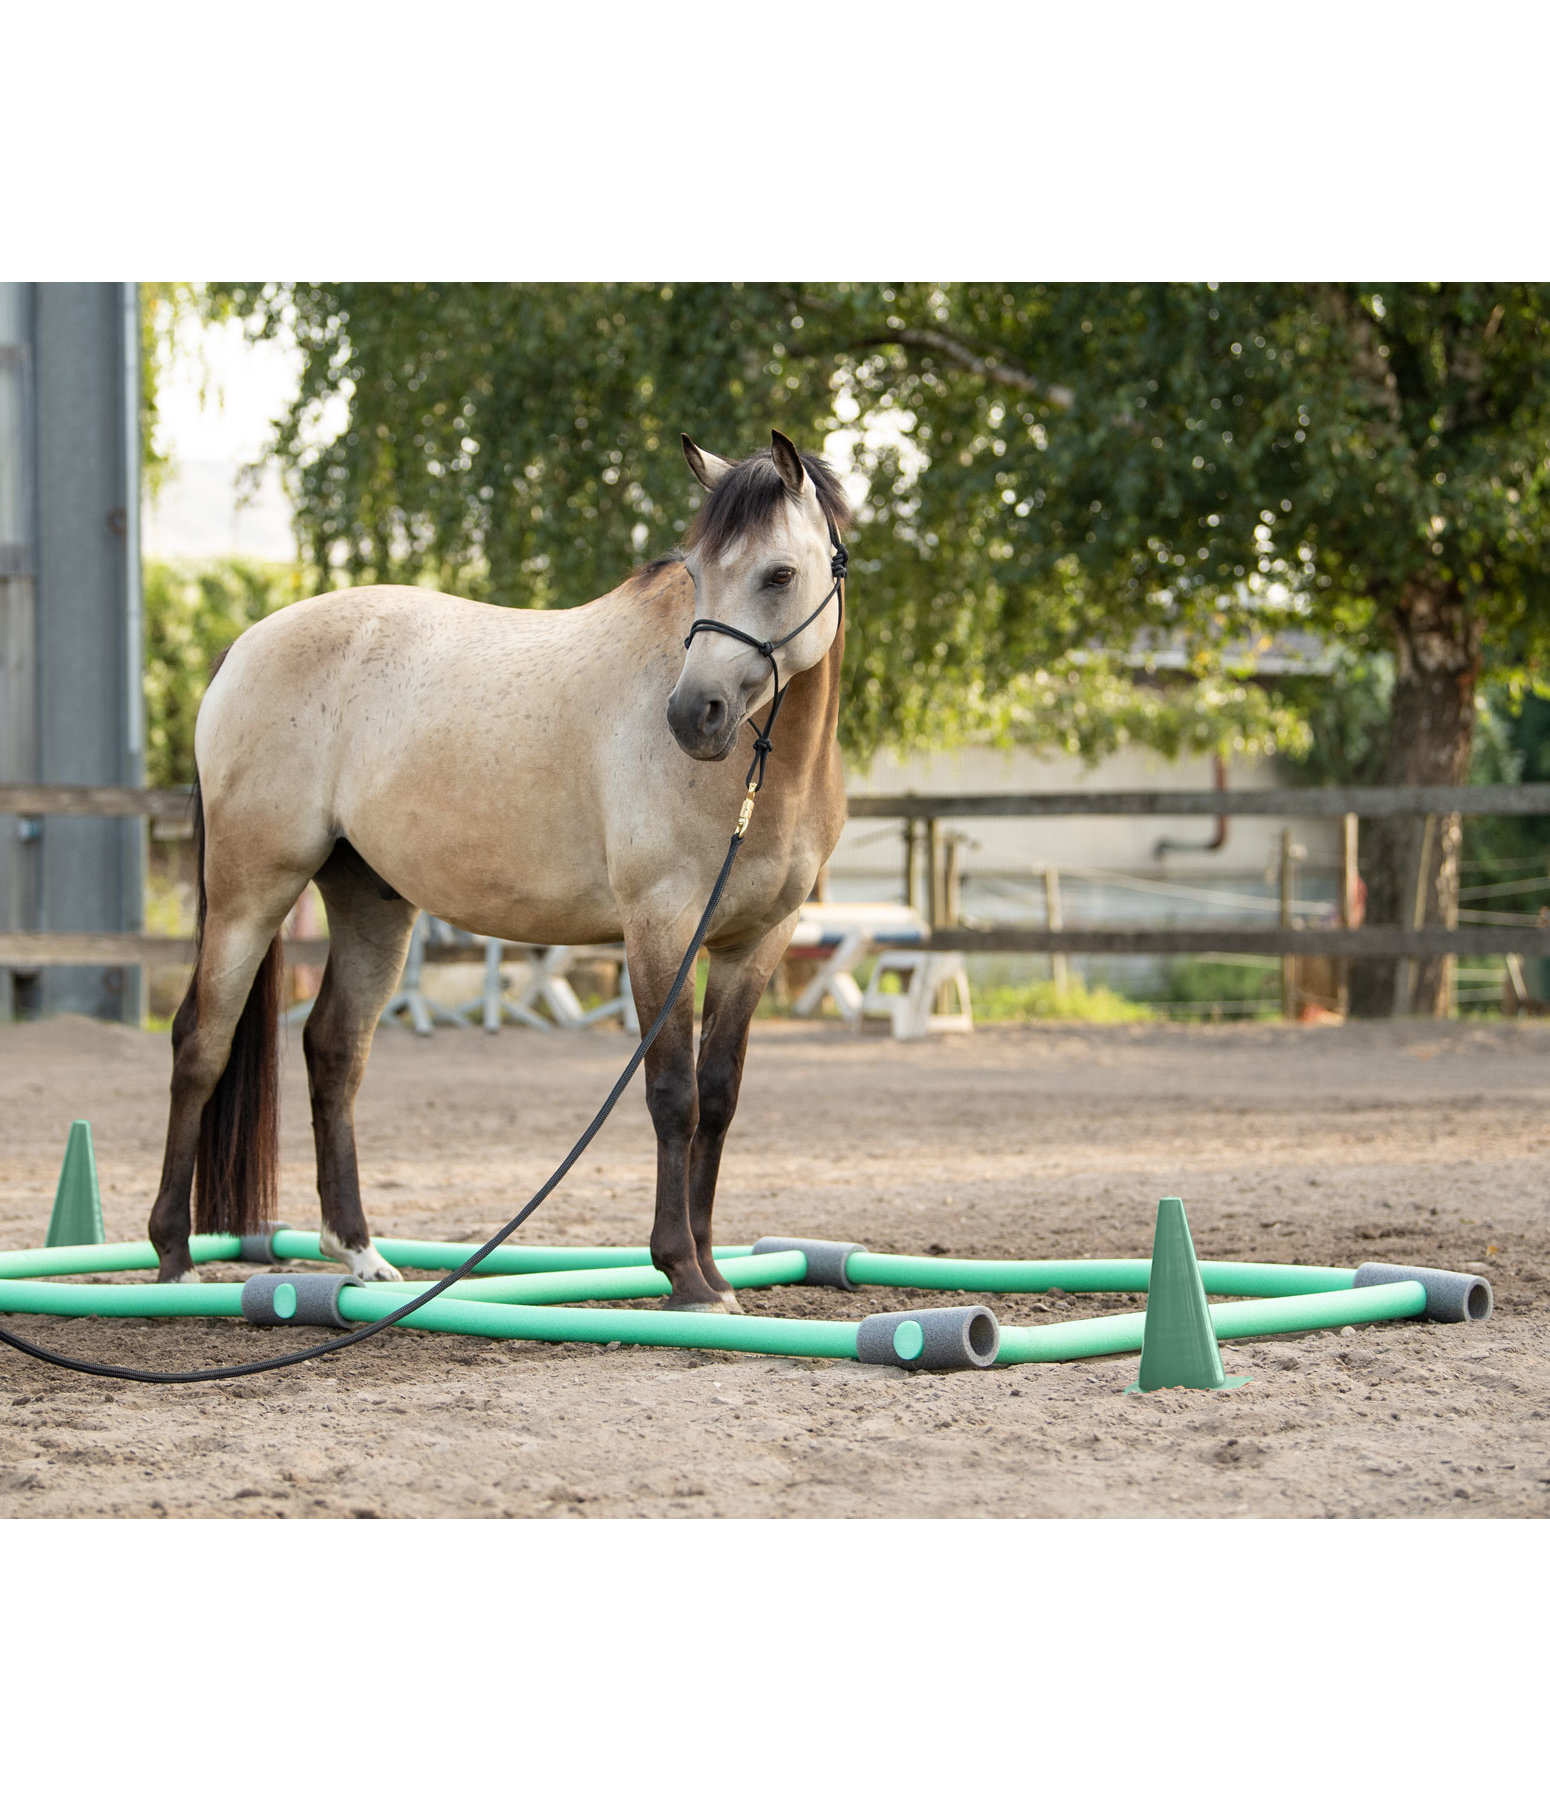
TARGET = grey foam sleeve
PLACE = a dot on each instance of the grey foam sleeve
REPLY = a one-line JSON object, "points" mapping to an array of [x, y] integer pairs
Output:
{"points": [[1451, 1299], [952, 1337], [258, 1246], [826, 1259], [317, 1298]]}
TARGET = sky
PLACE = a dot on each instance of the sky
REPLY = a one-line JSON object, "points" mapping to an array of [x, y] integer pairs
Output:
{"points": [[215, 404]]}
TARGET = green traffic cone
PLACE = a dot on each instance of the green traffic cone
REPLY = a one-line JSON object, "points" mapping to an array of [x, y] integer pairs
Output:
{"points": [[77, 1216], [1178, 1344]]}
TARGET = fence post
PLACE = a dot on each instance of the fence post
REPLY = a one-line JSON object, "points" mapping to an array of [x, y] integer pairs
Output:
{"points": [[1288, 964], [1055, 919], [1348, 880], [932, 876], [1410, 969], [952, 879], [909, 862]]}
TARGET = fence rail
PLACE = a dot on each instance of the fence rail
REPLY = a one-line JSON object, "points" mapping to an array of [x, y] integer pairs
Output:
{"points": [[1529, 939], [104, 949], [28, 800], [1530, 799], [23, 949]]}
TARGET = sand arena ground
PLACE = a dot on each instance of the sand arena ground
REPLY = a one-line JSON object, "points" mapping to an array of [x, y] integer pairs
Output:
{"points": [[1415, 1142]]}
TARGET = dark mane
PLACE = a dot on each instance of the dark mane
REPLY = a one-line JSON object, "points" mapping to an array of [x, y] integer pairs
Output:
{"points": [[653, 578], [744, 501], [648, 571]]}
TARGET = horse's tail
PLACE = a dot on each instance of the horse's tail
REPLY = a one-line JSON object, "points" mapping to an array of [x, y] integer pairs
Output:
{"points": [[236, 1169]]}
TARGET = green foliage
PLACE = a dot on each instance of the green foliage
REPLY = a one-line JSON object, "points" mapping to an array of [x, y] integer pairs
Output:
{"points": [[1038, 1000], [191, 615], [518, 441], [1194, 981], [1512, 744], [1054, 473], [520, 444], [1345, 715]]}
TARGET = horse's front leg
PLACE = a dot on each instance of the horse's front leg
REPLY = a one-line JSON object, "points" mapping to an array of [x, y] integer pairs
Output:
{"points": [[738, 979], [673, 1101]]}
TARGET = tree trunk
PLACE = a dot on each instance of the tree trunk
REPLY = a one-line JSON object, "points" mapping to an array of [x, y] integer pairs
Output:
{"points": [[1431, 727]]}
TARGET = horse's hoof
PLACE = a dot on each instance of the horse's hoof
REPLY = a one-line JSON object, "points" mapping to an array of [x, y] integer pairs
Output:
{"points": [[365, 1265], [724, 1303], [172, 1280]]}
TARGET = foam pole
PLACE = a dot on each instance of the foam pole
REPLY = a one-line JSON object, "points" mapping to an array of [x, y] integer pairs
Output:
{"points": [[1120, 1333], [109, 1259], [504, 1259], [615, 1284], [1128, 1275], [472, 1318]]}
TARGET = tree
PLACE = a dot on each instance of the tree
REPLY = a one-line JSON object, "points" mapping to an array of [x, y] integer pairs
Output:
{"points": [[1373, 465], [1056, 474], [521, 444]]}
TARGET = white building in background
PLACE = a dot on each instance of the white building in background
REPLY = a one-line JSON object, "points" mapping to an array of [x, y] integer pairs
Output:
{"points": [[1123, 872], [1120, 871], [1194, 851]]}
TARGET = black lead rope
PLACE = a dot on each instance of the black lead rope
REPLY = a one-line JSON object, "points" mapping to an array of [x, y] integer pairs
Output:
{"points": [[685, 968]]}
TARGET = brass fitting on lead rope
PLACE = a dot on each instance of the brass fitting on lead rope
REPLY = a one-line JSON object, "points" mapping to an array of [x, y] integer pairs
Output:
{"points": [[747, 813]]}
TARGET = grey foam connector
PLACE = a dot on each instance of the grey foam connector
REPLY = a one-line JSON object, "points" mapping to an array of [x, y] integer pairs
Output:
{"points": [[944, 1337], [826, 1259], [1451, 1299], [314, 1299], [258, 1246]]}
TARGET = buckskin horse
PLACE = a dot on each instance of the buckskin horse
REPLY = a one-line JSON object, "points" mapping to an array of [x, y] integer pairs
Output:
{"points": [[508, 770]]}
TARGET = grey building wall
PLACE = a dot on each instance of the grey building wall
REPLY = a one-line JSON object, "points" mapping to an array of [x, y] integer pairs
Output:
{"points": [[80, 352], [18, 653]]}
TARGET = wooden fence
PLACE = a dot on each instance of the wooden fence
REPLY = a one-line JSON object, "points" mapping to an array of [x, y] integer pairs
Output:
{"points": [[171, 807]]}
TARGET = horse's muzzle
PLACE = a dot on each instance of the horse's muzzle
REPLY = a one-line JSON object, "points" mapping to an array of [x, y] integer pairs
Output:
{"points": [[704, 722]]}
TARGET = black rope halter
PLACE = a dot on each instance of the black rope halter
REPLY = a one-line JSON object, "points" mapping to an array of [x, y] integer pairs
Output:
{"points": [[767, 647]]}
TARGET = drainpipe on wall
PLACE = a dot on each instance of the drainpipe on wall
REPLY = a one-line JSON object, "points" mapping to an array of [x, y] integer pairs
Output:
{"points": [[1219, 839]]}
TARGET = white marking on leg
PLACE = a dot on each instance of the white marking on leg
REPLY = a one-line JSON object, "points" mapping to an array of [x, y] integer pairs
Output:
{"points": [[364, 1265]]}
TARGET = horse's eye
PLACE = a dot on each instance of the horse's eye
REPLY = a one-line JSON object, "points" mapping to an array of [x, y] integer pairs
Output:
{"points": [[782, 577]]}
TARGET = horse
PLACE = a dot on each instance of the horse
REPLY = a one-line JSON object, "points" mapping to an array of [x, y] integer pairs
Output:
{"points": [[507, 769]]}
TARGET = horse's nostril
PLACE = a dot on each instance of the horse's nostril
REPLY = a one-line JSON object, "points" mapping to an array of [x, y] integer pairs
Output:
{"points": [[712, 718]]}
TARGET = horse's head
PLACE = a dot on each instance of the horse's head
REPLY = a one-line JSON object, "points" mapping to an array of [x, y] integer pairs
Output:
{"points": [[761, 551]]}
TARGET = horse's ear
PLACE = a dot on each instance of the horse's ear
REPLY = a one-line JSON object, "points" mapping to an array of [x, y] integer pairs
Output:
{"points": [[788, 463], [706, 469]]}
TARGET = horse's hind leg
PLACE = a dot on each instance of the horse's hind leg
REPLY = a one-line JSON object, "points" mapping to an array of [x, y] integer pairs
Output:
{"points": [[233, 946], [737, 981], [368, 938]]}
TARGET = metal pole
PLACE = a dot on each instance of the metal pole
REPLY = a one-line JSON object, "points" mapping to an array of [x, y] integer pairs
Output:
{"points": [[18, 629], [86, 449]]}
